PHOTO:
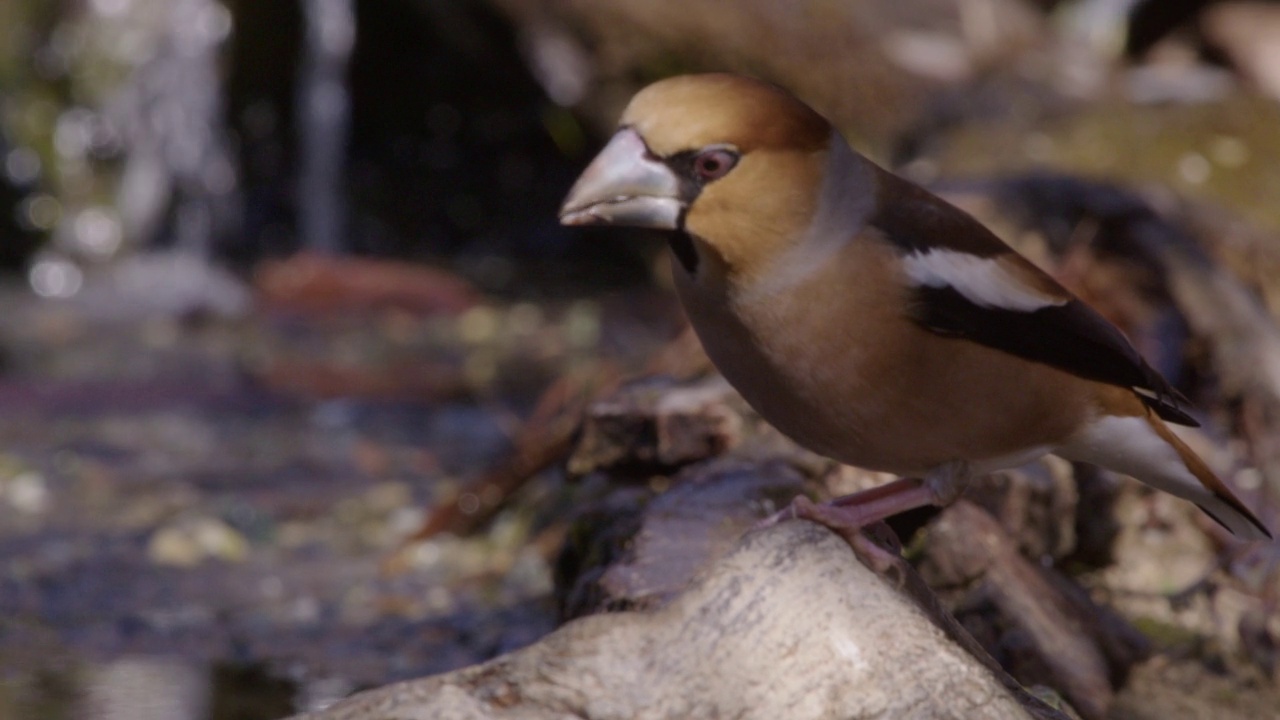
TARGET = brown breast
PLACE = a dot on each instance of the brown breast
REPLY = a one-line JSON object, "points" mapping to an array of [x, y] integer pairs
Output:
{"points": [[834, 363]]}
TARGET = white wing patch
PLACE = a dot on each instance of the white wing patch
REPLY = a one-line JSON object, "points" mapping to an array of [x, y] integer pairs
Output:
{"points": [[981, 281]]}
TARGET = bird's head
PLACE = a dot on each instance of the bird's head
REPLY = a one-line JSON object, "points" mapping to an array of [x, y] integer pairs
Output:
{"points": [[737, 169]]}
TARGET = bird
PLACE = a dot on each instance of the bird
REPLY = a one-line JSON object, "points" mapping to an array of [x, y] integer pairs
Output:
{"points": [[871, 321]]}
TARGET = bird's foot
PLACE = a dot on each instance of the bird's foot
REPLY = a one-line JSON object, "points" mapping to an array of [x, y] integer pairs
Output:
{"points": [[869, 506], [858, 518], [786, 513], [874, 543]]}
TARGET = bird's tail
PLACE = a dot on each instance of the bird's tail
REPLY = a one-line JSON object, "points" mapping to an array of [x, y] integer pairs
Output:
{"points": [[1143, 447], [1213, 496]]}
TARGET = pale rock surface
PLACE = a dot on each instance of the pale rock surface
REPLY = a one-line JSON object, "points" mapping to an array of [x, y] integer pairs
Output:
{"points": [[789, 624]]}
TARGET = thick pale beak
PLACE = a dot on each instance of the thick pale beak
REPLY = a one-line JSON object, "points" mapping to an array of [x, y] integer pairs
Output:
{"points": [[625, 185]]}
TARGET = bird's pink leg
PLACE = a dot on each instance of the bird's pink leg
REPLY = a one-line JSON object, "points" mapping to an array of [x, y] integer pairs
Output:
{"points": [[849, 515], [872, 505], [880, 556], [856, 511]]}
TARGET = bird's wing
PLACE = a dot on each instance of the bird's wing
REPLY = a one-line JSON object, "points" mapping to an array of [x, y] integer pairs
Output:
{"points": [[969, 284]]}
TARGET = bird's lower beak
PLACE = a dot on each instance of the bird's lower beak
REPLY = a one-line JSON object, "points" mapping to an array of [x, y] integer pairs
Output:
{"points": [[625, 185]]}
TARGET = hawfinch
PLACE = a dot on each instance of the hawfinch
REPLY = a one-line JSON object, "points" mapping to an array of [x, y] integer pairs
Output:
{"points": [[868, 319]]}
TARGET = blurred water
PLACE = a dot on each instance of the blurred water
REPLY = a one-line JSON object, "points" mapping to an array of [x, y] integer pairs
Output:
{"points": [[146, 689], [178, 185], [151, 687], [323, 122], [118, 118]]}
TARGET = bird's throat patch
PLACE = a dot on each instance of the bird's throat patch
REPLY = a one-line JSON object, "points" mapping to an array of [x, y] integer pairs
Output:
{"points": [[682, 245]]}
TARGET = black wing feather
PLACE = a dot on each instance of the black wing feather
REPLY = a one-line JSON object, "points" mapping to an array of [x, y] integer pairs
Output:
{"points": [[1071, 337]]}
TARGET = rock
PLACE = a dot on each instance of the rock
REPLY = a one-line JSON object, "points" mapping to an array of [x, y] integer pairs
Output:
{"points": [[789, 624], [27, 492], [189, 542]]}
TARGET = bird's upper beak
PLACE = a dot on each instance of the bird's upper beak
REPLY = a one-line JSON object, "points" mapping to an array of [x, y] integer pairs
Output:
{"points": [[625, 185]]}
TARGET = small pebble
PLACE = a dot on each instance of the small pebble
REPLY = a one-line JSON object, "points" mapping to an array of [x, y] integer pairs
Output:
{"points": [[174, 546], [28, 493], [189, 543]]}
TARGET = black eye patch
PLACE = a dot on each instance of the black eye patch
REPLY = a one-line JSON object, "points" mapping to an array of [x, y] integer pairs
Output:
{"points": [[697, 168]]}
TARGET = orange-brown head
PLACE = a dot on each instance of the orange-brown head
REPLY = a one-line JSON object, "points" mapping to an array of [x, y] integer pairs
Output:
{"points": [[736, 166]]}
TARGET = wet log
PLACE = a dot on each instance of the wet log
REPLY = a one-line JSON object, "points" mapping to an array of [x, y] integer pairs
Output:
{"points": [[1036, 504], [1041, 626], [637, 549], [657, 424]]}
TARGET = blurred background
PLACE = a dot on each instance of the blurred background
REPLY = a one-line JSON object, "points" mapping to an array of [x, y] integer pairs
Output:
{"points": [[279, 276]]}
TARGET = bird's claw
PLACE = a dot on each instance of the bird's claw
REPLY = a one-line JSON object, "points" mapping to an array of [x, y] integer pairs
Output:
{"points": [[874, 543]]}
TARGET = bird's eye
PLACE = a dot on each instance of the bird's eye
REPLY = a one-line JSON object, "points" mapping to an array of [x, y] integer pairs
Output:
{"points": [[714, 163]]}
